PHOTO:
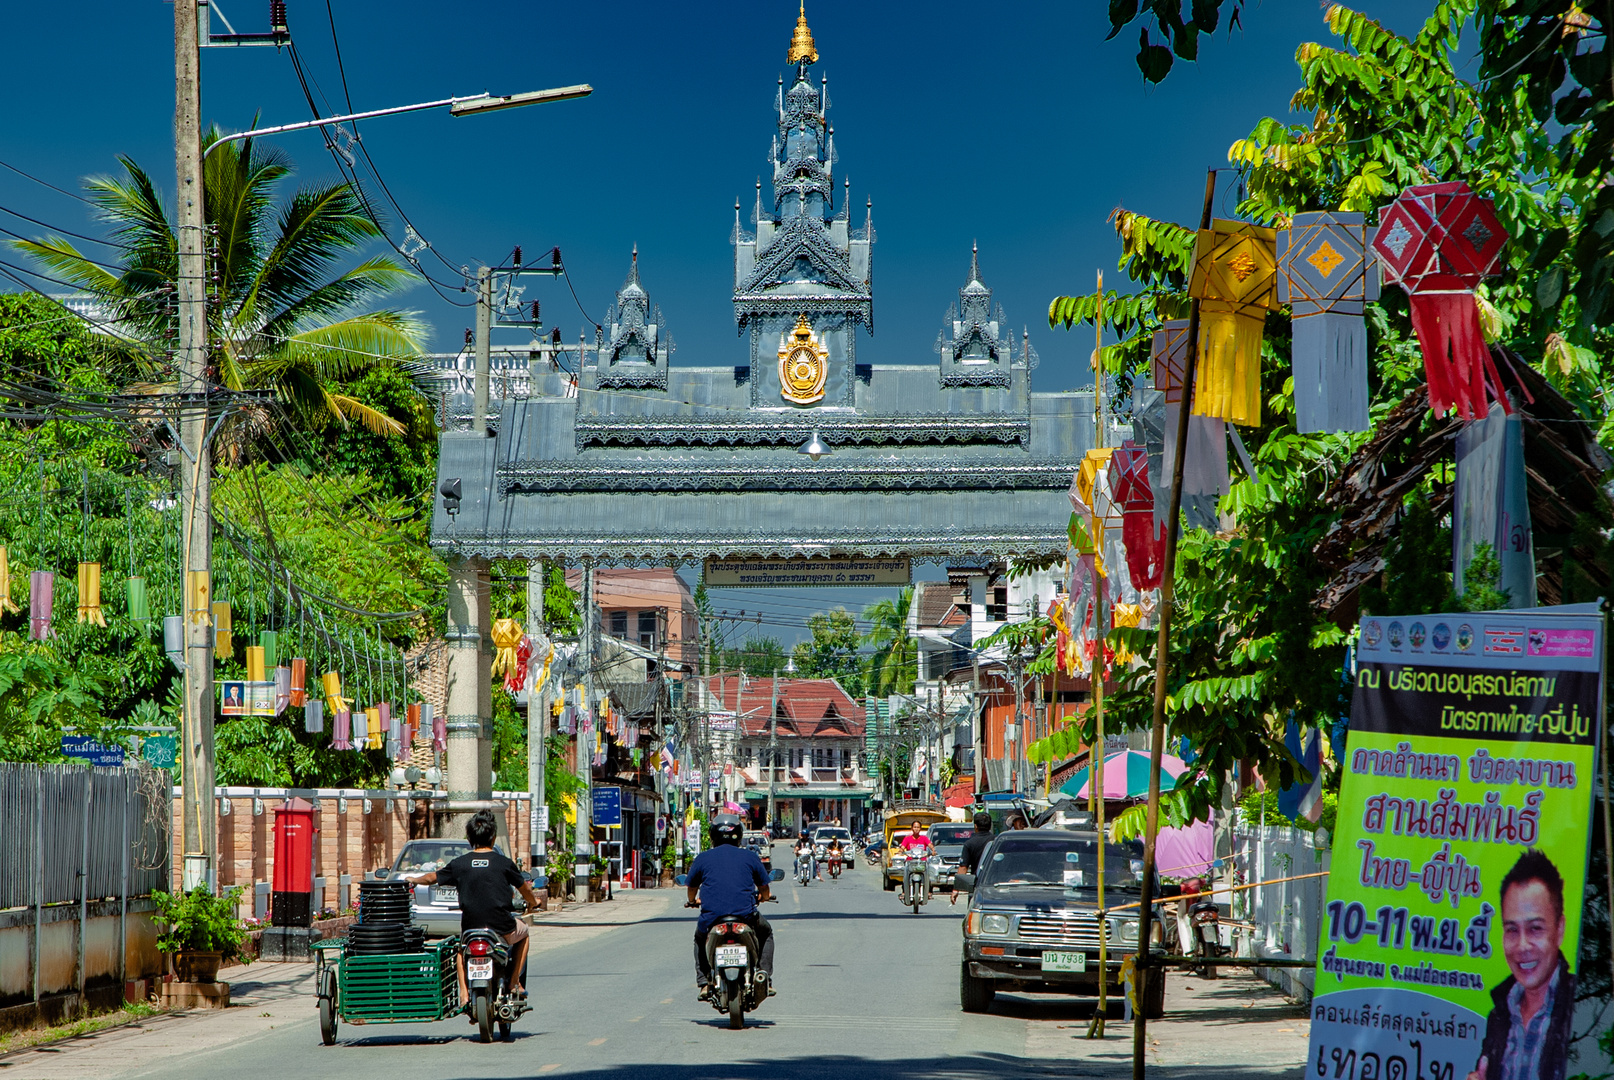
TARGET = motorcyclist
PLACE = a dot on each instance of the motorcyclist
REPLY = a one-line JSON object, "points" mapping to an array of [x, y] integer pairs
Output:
{"points": [[916, 844], [729, 881], [484, 879], [804, 850], [835, 853]]}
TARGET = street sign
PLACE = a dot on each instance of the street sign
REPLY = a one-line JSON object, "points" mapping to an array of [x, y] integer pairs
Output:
{"points": [[88, 749], [661, 826], [812, 570], [607, 806], [539, 822], [160, 751]]}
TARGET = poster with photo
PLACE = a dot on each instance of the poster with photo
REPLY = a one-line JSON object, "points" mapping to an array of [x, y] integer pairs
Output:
{"points": [[234, 699], [1450, 936], [261, 698]]}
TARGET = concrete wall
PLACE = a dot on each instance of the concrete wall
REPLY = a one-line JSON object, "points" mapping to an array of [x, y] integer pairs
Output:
{"points": [[59, 989], [358, 832]]}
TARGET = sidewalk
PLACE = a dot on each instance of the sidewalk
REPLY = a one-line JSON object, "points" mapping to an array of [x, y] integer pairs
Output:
{"points": [[1236, 1023]]}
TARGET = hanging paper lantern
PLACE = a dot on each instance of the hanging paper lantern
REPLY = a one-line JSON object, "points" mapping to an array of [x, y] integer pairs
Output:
{"points": [[269, 642], [342, 730], [383, 710], [1235, 280], [548, 650], [1126, 615], [1145, 544], [518, 678], [314, 716], [6, 603], [255, 663], [139, 607], [1437, 241], [438, 725], [41, 598], [366, 728], [1326, 277], [198, 597], [299, 681], [506, 636], [1205, 457], [89, 594], [334, 701], [394, 740], [223, 644], [282, 689]]}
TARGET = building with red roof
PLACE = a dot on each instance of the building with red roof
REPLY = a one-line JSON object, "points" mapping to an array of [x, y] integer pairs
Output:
{"points": [[803, 738]]}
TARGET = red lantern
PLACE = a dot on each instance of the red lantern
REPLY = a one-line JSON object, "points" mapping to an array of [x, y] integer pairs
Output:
{"points": [[1437, 241]]}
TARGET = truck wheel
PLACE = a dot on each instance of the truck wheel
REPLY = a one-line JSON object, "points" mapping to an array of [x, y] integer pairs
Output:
{"points": [[1154, 994], [974, 995], [886, 884]]}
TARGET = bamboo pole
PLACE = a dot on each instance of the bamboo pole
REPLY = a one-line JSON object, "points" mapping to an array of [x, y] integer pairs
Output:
{"points": [[1162, 660], [1095, 773]]}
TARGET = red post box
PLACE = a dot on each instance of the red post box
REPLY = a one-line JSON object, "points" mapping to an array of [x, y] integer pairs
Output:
{"points": [[296, 841]]}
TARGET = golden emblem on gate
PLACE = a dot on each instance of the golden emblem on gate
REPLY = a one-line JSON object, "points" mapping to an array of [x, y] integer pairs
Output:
{"points": [[803, 364]]}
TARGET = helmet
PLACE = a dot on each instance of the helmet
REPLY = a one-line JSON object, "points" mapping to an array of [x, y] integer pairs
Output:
{"points": [[726, 829]]}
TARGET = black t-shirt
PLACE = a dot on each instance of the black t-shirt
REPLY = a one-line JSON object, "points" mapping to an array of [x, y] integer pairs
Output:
{"points": [[484, 879], [970, 859]]}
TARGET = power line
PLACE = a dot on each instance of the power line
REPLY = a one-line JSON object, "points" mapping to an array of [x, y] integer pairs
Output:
{"points": [[64, 232], [46, 183]]}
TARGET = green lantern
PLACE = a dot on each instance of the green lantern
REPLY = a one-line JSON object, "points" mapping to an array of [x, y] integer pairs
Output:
{"points": [[139, 610], [269, 640]]}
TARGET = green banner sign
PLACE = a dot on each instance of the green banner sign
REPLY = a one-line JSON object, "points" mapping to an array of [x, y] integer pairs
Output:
{"points": [[1452, 927], [160, 751]]}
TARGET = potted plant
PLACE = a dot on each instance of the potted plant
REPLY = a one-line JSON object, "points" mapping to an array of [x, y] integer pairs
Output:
{"points": [[599, 866], [669, 856], [200, 930]]}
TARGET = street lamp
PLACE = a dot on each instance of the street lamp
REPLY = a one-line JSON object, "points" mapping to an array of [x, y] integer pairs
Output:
{"points": [[457, 106], [814, 447]]}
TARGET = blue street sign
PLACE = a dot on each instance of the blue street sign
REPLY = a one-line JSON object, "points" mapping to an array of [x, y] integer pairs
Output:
{"points": [[87, 749], [607, 806]]}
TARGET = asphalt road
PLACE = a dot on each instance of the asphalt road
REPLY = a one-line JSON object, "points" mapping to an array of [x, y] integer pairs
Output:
{"points": [[867, 991]]}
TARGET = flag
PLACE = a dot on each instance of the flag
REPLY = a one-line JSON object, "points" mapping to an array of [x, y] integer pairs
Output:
{"points": [[1303, 799]]}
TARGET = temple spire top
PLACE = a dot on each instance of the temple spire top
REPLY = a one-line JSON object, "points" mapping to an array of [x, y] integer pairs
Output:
{"points": [[802, 50]]}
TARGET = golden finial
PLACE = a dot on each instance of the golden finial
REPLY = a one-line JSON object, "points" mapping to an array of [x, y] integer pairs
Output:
{"points": [[802, 50]]}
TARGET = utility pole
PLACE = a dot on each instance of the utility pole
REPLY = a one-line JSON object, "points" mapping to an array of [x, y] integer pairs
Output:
{"points": [[773, 748], [583, 849], [484, 323], [537, 718], [199, 831]]}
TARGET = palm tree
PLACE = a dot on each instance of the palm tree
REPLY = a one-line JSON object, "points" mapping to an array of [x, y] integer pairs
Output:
{"points": [[282, 315], [894, 666]]}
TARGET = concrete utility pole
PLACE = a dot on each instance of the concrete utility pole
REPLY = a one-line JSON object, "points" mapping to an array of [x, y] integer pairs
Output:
{"points": [[199, 832], [484, 323], [583, 848], [469, 720], [773, 749], [537, 717]]}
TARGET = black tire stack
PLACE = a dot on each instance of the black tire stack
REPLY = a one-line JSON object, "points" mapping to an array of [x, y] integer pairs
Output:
{"points": [[384, 925]]}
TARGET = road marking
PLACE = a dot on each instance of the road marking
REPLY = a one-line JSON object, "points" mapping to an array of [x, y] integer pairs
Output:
{"points": [[666, 1001], [596, 1042], [549, 1068], [634, 1019]]}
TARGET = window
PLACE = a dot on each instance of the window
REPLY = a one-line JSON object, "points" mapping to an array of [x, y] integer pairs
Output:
{"points": [[997, 608], [795, 757], [820, 758], [648, 627], [619, 625]]}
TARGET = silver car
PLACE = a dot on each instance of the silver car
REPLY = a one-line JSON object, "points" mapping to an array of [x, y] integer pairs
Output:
{"points": [[436, 907], [947, 847]]}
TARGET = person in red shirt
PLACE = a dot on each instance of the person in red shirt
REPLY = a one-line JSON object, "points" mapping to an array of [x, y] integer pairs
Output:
{"points": [[916, 843]]}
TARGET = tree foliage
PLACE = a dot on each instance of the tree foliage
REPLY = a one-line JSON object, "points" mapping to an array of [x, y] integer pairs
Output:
{"points": [[832, 652]]}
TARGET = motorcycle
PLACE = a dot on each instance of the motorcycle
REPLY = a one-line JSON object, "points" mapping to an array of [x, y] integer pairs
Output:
{"points": [[1207, 928], [487, 977], [915, 883], [834, 867], [804, 869], [739, 984]]}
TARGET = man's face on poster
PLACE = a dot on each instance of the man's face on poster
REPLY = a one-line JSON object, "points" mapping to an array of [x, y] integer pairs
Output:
{"points": [[1532, 933]]}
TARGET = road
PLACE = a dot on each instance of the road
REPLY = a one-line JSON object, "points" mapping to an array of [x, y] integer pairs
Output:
{"points": [[867, 991]]}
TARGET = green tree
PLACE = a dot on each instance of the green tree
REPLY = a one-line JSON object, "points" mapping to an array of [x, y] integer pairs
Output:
{"points": [[283, 314], [894, 667], [756, 656], [832, 653]]}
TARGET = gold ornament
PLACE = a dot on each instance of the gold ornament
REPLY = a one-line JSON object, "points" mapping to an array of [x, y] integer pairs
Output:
{"points": [[802, 49], [803, 364], [506, 636], [1235, 280]]}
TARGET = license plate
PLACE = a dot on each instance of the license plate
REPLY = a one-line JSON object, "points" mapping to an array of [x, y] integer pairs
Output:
{"points": [[479, 969], [731, 956], [1064, 961], [446, 895]]}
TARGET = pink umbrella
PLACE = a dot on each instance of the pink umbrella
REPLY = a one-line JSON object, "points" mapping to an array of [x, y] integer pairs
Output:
{"points": [[1126, 776]]}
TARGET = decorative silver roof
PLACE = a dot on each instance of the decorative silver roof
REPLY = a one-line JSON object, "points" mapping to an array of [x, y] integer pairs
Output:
{"points": [[636, 345], [975, 344]]}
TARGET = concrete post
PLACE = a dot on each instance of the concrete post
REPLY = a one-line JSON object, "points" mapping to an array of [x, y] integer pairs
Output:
{"points": [[470, 694]]}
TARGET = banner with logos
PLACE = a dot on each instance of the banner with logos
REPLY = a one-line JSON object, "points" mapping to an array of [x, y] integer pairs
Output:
{"points": [[1450, 937]]}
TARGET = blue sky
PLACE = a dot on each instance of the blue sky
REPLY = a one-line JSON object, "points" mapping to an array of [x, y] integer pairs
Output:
{"points": [[1015, 125]]}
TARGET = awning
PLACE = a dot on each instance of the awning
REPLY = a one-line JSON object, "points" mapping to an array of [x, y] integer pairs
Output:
{"points": [[785, 794]]}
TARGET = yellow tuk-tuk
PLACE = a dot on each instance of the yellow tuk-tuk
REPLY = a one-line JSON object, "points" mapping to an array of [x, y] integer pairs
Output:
{"points": [[900, 821]]}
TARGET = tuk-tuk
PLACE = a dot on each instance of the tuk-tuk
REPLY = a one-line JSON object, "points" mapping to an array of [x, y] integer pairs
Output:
{"points": [[902, 820]]}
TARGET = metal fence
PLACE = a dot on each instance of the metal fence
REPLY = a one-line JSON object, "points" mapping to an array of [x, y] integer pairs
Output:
{"points": [[60, 821], [1285, 915]]}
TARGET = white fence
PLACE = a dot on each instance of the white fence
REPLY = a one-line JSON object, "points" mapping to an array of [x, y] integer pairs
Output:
{"points": [[1284, 917]]}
